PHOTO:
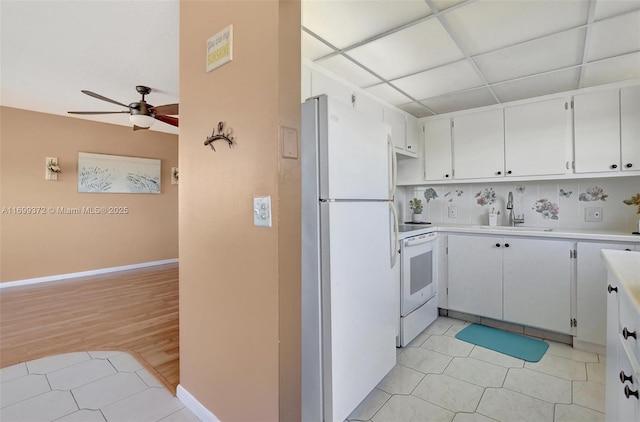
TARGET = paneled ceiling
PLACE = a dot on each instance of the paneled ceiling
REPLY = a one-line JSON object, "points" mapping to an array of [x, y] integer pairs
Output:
{"points": [[436, 56], [425, 56]]}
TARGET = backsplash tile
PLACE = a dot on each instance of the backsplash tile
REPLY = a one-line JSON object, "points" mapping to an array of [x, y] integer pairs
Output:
{"points": [[557, 204], [593, 193]]}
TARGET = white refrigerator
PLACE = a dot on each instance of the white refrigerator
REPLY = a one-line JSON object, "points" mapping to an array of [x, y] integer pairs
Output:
{"points": [[349, 244]]}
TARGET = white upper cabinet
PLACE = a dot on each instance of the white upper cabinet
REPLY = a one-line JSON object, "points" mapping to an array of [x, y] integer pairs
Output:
{"points": [[630, 127], [368, 106], [396, 120], [537, 138], [403, 131], [413, 134], [478, 145], [437, 150], [596, 119], [323, 84]]}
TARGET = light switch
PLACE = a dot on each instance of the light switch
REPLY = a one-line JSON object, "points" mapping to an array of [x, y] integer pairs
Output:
{"points": [[289, 142], [262, 211]]}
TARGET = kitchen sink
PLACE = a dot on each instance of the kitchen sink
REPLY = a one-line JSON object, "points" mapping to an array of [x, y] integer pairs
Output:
{"points": [[518, 228]]}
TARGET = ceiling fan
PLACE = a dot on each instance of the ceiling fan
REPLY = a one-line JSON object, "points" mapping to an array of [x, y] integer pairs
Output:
{"points": [[141, 114]]}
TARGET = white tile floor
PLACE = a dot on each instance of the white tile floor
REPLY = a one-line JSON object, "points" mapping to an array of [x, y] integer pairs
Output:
{"points": [[86, 387], [440, 378], [437, 378]]}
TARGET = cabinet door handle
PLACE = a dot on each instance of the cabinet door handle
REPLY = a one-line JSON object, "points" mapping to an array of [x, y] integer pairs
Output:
{"points": [[614, 166], [506, 245], [628, 165], [446, 175], [626, 333], [627, 249], [497, 245], [612, 289], [509, 172], [629, 392], [624, 377], [498, 173]]}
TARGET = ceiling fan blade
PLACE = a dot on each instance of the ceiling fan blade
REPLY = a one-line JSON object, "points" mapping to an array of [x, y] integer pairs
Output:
{"points": [[97, 112], [171, 109], [100, 97], [168, 119]]}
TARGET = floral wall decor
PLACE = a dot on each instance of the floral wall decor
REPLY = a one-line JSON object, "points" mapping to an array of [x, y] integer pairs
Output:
{"points": [[429, 194], [487, 196], [593, 194], [458, 193], [547, 209], [566, 194], [635, 200]]}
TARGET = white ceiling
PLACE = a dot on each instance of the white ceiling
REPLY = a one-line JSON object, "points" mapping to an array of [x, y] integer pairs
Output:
{"points": [[425, 56], [50, 50], [436, 56]]}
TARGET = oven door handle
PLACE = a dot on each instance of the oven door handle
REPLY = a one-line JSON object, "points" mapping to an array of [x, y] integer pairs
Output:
{"points": [[420, 240]]}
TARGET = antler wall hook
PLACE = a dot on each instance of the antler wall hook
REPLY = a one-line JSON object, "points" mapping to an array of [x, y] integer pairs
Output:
{"points": [[220, 135]]}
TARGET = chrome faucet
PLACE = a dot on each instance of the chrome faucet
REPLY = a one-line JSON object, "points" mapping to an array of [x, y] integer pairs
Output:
{"points": [[512, 220]]}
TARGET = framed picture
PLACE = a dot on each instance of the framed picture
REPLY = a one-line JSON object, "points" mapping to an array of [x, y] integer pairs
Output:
{"points": [[101, 173]]}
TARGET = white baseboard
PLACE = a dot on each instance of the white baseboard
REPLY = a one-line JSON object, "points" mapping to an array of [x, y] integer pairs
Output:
{"points": [[589, 347], [85, 273], [195, 406]]}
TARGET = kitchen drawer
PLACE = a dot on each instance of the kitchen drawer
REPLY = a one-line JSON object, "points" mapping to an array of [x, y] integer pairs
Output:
{"points": [[626, 385], [629, 327]]}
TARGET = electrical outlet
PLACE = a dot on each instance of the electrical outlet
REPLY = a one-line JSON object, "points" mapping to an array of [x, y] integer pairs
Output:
{"points": [[453, 211], [262, 211], [593, 214]]}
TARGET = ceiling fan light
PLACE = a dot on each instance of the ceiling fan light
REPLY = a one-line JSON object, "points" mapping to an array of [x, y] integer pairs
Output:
{"points": [[141, 120]]}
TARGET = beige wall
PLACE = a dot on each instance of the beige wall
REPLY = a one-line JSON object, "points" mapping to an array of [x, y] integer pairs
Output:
{"points": [[240, 284], [44, 245]]}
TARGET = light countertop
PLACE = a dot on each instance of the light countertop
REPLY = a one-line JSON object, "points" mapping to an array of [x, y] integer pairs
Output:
{"points": [[556, 233], [625, 266]]}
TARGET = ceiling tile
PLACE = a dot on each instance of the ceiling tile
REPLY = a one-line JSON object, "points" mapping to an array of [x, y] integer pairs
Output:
{"points": [[446, 4], [563, 80], [344, 23], [541, 55], [608, 8], [388, 94], [487, 25], [411, 50], [453, 77], [312, 48], [460, 101], [619, 68], [416, 109], [615, 36], [348, 70]]}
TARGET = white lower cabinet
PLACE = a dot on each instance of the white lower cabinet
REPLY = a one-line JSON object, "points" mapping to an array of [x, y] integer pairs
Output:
{"points": [[526, 281], [622, 383], [591, 298], [537, 283], [475, 275]]}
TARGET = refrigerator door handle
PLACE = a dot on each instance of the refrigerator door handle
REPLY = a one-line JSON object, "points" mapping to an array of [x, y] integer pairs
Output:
{"points": [[394, 168], [394, 244]]}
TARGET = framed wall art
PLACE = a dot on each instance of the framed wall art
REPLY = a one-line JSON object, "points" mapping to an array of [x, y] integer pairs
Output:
{"points": [[101, 173]]}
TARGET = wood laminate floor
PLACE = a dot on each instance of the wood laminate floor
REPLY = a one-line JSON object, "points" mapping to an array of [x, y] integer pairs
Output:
{"points": [[134, 311]]}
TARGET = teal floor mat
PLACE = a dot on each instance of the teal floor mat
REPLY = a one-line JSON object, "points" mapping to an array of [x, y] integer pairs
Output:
{"points": [[511, 344]]}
